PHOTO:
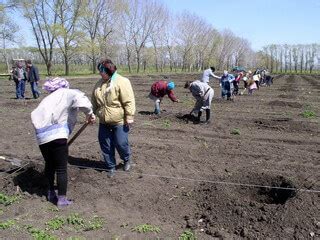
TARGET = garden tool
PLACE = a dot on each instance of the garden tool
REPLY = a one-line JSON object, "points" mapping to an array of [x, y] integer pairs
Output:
{"points": [[78, 133]]}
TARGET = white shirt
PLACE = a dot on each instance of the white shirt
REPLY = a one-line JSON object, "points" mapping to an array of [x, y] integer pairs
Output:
{"points": [[56, 115], [206, 75]]}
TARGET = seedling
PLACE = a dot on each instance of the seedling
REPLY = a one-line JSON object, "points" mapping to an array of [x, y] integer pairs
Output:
{"points": [[75, 238], [53, 209], [94, 224], [8, 200], [144, 228], [1, 211], [7, 224], [187, 235], [235, 131], [166, 123], [56, 223], [75, 220], [39, 234], [308, 114]]}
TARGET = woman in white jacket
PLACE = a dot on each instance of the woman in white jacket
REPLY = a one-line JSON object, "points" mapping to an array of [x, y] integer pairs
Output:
{"points": [[53, 120]]}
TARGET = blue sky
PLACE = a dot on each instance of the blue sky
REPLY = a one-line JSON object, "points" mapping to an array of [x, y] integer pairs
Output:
{"points": [[262, 22]]}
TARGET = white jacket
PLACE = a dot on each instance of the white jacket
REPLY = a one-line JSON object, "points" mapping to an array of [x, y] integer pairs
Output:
{"points": [[56, 115]]}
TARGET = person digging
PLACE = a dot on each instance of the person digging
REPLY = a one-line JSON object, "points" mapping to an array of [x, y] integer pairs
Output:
{"points": [[203, 94]]}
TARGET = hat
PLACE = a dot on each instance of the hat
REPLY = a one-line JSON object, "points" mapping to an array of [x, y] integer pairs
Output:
{"points": [[170, 85], [52, 84], [225, 72]]}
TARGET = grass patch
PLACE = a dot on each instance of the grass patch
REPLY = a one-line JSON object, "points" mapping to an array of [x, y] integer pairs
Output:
{"points": [[7, 224], [55, 223], [166, 123], [8, 200], [308, 114], [39, 234], [145, 228], [94, 224], [187, 235], [75, 220], [235, 131]]}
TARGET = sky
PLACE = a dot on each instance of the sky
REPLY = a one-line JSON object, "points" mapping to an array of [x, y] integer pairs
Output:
{"points": [[261, 22]]}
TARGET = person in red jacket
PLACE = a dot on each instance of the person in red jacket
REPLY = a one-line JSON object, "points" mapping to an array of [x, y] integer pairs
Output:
{"points": [[158, 90]]}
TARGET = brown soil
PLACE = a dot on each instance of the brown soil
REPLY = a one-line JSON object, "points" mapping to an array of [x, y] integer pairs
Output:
{"points": [[186, 176]]}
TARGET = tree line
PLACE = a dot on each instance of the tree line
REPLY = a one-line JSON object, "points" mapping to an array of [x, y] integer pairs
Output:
{"points": [[138, 34]]}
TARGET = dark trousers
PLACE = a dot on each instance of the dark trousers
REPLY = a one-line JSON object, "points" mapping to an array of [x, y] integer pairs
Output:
{"points": [[55, 154]]}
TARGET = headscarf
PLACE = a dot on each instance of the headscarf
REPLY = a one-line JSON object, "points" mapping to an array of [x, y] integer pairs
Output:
{"points": [[52, 84], [225, 73]]}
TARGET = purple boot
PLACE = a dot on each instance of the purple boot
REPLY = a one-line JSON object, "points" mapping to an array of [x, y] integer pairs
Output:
{"points": [[63, 201], [52, 197]]}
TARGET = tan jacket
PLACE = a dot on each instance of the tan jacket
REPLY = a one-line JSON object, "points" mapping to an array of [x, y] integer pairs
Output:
{"points": [[113, 100]]}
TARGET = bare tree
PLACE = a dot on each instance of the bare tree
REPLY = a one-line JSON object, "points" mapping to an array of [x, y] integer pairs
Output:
{"points": [[42, 16], [8, 30], [68, 34]]}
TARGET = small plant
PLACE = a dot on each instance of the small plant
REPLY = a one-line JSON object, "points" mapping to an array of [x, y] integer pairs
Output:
{"points": [[94, 224], [144, 228], [53, 209], [75, 238], [235, 131], [187, 235], [308, 114], [8, 200], [39, 234], [7, 224], [56, 223], [1, 211], [166, 123], [75, 220]]}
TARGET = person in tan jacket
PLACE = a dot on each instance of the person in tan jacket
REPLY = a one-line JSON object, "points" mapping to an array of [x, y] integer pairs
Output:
{"points": [[114, 104]]}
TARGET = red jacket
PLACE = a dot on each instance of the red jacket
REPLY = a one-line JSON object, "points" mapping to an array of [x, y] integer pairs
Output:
{"points": [[159, 89]]}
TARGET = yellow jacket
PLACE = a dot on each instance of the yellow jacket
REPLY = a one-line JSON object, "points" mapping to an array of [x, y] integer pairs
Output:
{"points": [[113, 100]]}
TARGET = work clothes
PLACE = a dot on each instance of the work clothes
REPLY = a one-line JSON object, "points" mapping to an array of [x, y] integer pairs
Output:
{"points": [[206, 75], [203, 94], [56, 115], [113, 137], [113, 100]]}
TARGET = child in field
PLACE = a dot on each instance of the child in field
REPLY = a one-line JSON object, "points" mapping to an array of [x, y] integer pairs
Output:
{"points": [[226, 83], [158, 90]]}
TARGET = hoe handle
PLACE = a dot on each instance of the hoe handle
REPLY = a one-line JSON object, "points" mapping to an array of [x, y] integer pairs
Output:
{"points": [[78, 133]]}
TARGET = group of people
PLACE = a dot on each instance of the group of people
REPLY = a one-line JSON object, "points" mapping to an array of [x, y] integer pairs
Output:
{"points": [[203, 93], [113, 103], [25, 73]]}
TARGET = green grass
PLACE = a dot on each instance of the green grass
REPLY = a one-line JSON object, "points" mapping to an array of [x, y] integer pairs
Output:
{"points": [[166, 123], [235, 131], [55, 223], [308, 114], [8, 200], [145, 228], [39, 234], [187, 235], [7, 224]]}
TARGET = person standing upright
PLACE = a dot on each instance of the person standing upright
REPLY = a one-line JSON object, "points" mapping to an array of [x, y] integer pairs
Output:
{"points": [[33, 78], [114, 104], [209, 73], [19, 77]]}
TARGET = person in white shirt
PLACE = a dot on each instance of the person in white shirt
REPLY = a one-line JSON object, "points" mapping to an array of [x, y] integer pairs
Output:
{"points": [[207, 73], [53, 120]]}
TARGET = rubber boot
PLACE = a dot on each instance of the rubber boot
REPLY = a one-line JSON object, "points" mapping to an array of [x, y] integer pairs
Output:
{"points": [[52, 196], [207, 116], [63, 201], [199, 117]]}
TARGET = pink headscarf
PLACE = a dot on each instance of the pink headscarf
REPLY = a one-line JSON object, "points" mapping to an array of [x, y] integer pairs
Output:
{"points": [[52, 84]]}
